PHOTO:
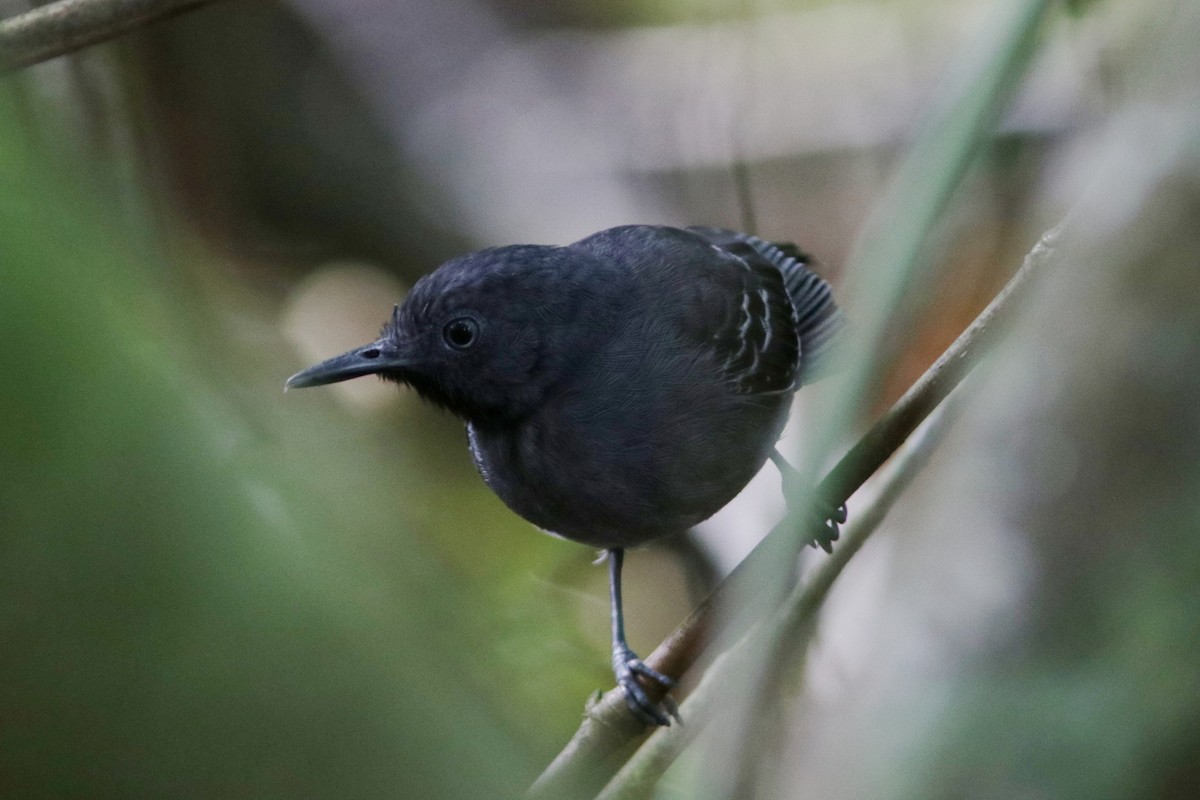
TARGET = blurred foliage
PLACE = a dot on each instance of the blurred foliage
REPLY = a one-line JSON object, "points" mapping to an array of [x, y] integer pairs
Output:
{"points": [[210, 589], [188, 605], [1091, 411], [292, 163]]}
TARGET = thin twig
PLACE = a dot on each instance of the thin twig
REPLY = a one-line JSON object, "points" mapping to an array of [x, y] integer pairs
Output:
{"points": [[69, 25], [608, 729]]}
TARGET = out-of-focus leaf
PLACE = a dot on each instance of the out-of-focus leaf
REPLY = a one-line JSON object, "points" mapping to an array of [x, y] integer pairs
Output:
{"points": [[179, 615]]}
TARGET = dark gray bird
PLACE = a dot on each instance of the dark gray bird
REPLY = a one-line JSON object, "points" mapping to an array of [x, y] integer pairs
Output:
{"points": [[616, 390]]}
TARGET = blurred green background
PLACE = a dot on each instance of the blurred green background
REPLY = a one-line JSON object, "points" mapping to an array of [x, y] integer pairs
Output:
{"points": [[211, 589]]}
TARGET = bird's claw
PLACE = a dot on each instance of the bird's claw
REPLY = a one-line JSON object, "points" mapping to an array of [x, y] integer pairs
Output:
{"points": [[828, 527], [826, 516], [628, 667]]}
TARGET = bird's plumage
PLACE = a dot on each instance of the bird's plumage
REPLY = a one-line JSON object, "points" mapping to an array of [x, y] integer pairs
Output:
{"points": [[623, 387], [617, 389]]}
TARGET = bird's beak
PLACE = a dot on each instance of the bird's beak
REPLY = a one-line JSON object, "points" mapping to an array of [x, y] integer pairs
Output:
{"points": [[378, 356]]}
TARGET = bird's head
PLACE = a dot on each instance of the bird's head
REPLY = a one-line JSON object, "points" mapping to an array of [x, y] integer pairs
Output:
{"points": [[488, 334]]}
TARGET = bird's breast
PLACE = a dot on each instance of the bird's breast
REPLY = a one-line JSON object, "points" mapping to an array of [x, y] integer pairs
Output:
{"points": [[623, 469]]}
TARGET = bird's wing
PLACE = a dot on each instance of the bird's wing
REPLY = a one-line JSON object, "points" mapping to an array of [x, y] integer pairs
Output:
{"points": [[755, 307], [786, 326], [754, 335]]}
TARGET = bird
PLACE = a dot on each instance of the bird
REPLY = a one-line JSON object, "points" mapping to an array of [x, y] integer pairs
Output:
{"points": [[618, 389]]}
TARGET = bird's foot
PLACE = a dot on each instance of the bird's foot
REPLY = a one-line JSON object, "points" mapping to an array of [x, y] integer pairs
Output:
{"points": [[826, 518], [627, 667], [827, 524]]}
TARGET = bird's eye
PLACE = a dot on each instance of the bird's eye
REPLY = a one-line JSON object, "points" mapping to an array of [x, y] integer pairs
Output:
{"points": [[460, 333]]}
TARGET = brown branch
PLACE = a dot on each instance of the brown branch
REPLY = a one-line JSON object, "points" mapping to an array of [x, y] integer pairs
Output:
{"points": [[608, 730], [69, 25]]}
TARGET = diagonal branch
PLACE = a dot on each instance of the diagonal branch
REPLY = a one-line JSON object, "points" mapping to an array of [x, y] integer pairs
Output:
{"points": [[69, 25], [608, 730]]}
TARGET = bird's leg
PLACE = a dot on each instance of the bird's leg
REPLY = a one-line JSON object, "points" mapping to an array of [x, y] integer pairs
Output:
{"points": [[829, 515], [626, 665]]}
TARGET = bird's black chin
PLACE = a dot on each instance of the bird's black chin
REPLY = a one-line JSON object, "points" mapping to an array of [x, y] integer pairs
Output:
{"points": [[476, 405], [380, 357]]}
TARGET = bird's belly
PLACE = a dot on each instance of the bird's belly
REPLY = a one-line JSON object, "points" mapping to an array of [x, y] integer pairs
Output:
{"points": [[625, 493], [543, 490]]}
